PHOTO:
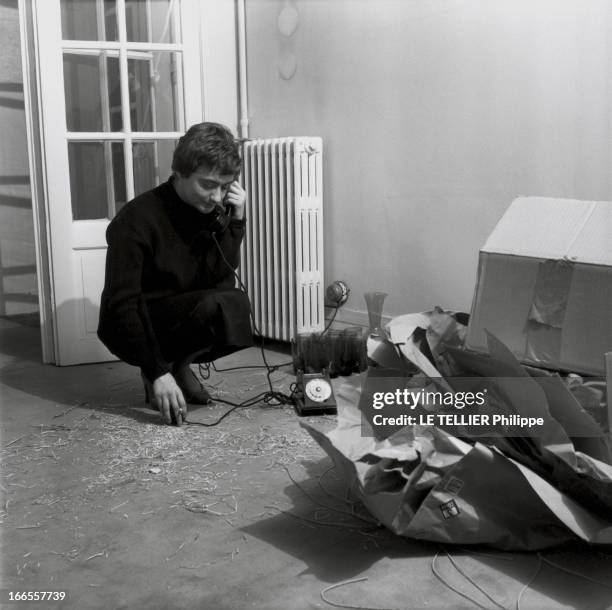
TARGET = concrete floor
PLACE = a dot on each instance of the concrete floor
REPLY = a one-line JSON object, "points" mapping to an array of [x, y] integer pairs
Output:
{"points": [[103, 502]]}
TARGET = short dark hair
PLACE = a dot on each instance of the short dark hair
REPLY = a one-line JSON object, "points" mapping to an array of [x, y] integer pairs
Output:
{"points": [[210, 144]]}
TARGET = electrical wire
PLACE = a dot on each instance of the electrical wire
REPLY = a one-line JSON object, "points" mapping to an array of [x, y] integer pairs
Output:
{"points": [[445, 582], [270, 397], [573, 573], [212, 424], [343, 584], [529, 583], [325, 505], [472, 581], [204, 370], [336, 308], [541, 561], [250, 366]]}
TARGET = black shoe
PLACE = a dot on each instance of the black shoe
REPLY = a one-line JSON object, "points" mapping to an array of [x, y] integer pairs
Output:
{"points": [[193, 390]]}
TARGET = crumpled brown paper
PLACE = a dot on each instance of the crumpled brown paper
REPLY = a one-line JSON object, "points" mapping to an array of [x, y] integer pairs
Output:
{"points": [[515, 493]]}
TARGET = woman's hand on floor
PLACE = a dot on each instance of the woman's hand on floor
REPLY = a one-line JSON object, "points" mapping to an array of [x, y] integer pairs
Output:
{"points": [[169, 399]]}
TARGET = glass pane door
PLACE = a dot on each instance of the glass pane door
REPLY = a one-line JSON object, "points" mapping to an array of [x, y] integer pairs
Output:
{"points": [[114, 99], [123, 86]]}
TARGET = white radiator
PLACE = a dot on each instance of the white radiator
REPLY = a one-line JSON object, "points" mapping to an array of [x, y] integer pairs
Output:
{"points": [[281, 261]]}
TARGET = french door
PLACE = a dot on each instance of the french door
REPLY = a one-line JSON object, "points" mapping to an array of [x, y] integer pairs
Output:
{"points": [[119, 81]]}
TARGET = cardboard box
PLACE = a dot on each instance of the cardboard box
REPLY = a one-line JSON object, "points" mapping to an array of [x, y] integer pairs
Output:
{"points": [[544, 284]]}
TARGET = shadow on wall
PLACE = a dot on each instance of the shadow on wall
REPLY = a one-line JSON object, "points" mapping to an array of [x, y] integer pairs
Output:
{"points": [[8, 101], [18, 288]]}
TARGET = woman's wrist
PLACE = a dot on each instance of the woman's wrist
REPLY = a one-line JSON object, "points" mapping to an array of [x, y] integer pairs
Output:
{"points": [[237, 212]]}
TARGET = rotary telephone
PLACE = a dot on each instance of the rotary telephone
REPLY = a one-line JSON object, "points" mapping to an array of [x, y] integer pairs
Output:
{"points": [[314, 394]]}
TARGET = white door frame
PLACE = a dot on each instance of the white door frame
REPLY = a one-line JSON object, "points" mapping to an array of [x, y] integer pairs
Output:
{"points": [[28, 27], [218, 102]]}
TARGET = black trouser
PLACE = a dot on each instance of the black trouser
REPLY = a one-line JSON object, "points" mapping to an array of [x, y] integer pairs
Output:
{"points": [[213, 322]]}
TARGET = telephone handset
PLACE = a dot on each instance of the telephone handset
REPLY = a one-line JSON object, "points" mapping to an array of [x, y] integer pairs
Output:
{"points": [[220, 219]]}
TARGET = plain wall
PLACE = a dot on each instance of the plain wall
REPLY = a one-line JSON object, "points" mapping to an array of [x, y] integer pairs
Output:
{"points": [[18, 287], [435, 115]]}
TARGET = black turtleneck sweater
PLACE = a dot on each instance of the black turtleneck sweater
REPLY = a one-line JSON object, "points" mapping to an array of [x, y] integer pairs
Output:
{"points": [[158, 246]]}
